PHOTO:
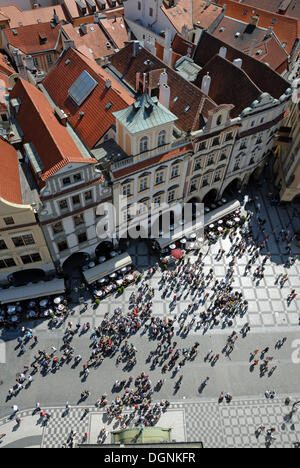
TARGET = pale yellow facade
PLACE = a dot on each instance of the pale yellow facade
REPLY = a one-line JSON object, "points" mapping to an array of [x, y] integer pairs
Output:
{"points": [[22, 243], [287, 166]]}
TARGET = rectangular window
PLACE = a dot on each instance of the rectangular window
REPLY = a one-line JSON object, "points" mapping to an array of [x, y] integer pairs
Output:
{"points": [[126, 190], [82, 237], [7, 263], [159, 178], [2, 245], [57, 228], [194, 185], [49, 59], [202, 146], [210, 161], [63, 205], [33, 258], [77, 177], [175, 172], [229, 136], [88, 196], [216, 141], [157, 201], [36, 62], [218, 176], [23, 240], [139, 5], [198, 165], [205, 181], [150, 11], [78, 220], [66, 181], [76, 200], [143, 184], [171, 196], [62, 245], [8, 221]]}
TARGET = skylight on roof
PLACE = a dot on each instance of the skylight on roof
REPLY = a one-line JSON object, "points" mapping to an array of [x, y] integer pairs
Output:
{"points": [[82, 88]]}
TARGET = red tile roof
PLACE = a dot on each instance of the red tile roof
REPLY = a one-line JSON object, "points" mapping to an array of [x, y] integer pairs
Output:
{"points": [[43, 15], [116, 29], [190, 13], [262, 76], [97, 119], [185, 97], [281, 7], [73, 11], [95, 41], [286, 29], [181, 46], [39, 125], [10, 188], [252, 41], [28, 38]]}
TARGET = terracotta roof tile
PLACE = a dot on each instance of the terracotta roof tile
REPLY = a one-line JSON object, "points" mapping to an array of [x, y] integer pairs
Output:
{"points": [[266, 79], [286, 29], [28, 17], [282, 7], [50, 138], [116, 29], [252, 40], [182, 46], [28, 38], [10, 188], [185, 97], [97, 120], [73, 11], [94, 40]]}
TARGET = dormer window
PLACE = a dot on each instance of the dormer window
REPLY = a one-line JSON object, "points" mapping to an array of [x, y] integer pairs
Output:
{"points": [[144, 144], [43, 38], [219, 120]]}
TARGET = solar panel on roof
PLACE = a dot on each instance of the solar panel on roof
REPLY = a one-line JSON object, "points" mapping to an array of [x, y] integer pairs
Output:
{"points": [[82, 88]]}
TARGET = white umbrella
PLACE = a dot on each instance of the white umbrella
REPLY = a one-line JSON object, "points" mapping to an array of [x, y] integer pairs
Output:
{"points": [[57, 300], [102, 281], [172, 246], [200, 239], [220, 229], [11, 309], [183, 241], [237, 219], [113, 275], [102, 259], [124, 270], [220, 221], [193, 236], [44, 302], [211, 226]]}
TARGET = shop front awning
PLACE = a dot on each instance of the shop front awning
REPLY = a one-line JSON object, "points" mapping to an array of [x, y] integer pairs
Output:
{"points": [[107, 268], [209, 218], [32, 291]]}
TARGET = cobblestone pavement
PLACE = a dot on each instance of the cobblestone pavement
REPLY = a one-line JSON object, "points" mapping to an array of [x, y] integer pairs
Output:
{"points": [[223, 425]]}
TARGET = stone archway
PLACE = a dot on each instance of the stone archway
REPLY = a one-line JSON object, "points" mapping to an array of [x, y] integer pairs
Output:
{"points": [[73, 264], [232, 188], [210, 197]]}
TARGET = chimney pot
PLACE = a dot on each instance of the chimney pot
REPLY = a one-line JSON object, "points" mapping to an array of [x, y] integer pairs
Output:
{"points": [[164, 95], [238, 62], [206, 82]]}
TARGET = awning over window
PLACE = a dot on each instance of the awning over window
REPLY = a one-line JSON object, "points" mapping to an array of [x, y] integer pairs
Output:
{"points": [[32, 291], [209, 218], [107, 268]]}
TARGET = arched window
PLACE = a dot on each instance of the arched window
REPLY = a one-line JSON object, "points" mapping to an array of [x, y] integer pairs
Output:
{"points": [[144, 144], [162, 138], [219, 120]]}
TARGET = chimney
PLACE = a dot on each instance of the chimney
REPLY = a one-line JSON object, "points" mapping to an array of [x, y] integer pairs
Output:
{"points": [[108, 83], [83, 29], [164, 95], [29, 62], [168, 38], [55, 18], [206, 82], [269, 32], [238, 62], [254, 20], [163, 79], [168, 53], [68, 44], [96, 17], [223, 52], [136, 48]]}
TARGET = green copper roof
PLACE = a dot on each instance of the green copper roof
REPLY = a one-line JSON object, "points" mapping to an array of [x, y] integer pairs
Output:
{"points": [[141, 434], [144, 114]]}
